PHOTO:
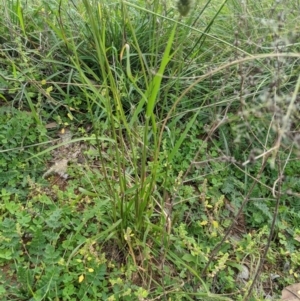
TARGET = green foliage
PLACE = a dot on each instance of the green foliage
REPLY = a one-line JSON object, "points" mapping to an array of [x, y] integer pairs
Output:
{"points": [[179, 121], [20, 136]]}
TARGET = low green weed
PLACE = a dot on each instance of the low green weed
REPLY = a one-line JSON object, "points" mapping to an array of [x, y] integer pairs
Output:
{"points": [[20, 137]]}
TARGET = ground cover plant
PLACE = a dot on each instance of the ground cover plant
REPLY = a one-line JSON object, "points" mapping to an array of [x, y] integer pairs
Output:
{"points": [[149, 149]]}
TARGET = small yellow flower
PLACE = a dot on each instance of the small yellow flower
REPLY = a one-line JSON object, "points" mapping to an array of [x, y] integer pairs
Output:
{"points": [[48, 90], [215, 224], [81, 278], [296, 276]]}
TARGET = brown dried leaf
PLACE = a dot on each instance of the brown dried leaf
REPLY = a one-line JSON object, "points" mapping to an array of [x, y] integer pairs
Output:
{"points": [[291, 293]]}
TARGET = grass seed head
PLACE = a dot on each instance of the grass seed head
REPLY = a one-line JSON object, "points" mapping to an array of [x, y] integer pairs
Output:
{"points": [[184, 6]]}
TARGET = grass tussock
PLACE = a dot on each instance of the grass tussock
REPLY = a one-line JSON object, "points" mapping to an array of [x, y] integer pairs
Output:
{"points": [[149, 149]]}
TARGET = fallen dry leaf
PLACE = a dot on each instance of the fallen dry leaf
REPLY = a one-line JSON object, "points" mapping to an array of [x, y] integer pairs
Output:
{"points": [[291, 293]]}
